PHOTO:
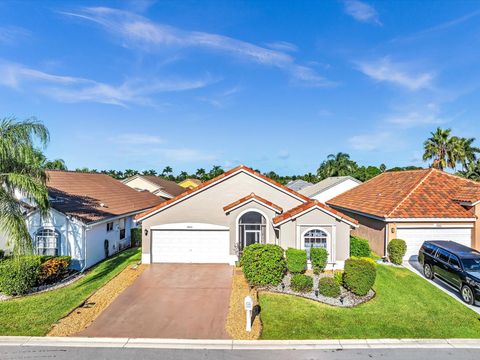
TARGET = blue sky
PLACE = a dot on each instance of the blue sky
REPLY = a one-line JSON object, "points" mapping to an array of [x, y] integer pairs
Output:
{"points": [[275, 85]]}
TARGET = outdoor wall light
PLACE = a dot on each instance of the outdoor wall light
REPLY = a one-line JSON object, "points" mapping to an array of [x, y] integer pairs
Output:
{"points": [[316, 293], [283, 286], [146, 232]]}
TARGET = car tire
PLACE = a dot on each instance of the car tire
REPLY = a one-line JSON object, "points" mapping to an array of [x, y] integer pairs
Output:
{"points": [[428, 271], [467, 294]]}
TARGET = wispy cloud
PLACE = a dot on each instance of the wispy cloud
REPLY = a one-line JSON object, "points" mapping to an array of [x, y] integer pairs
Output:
{"points": [[72, 89], [424, 115], [138, 31], [219, 100], [11, 34], [136, 139], [362, 11], [282, 46], [371, 141], [396, 73]]}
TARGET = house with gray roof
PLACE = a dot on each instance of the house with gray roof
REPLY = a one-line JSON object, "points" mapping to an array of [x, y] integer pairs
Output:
{"points": [[329, 188]]}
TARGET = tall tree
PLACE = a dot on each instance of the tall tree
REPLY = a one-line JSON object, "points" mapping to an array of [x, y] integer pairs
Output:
{"points": [[338, 164], [440, 148], [216, 171], [201, 174], [21, 173]]}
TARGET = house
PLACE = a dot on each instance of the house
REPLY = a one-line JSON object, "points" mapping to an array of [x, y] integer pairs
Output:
{"points": [[298, 184], [215, 221], [190, 183], [91, 217], [166, 189], [415, 206], [330, 187]]}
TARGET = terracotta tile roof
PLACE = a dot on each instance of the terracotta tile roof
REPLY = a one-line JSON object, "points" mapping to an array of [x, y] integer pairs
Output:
{"points": [[468, 194], [303, 207], [251, 197], [170, 187], [426, 193], [218, 178], [81, 195]]}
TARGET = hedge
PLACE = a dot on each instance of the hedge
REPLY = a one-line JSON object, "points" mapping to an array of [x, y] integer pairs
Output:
{"points": [[263, 264], [301, 283], [18, 275], [319, 258], [53, 270], [359, 247], [359, 275], [396, 250], [328, 286], [296, 261]]}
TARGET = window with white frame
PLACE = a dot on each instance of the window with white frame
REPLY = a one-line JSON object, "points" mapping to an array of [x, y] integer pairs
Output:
{"points": [[121, 225], [47, 242], [110, 226], [314, 238]]}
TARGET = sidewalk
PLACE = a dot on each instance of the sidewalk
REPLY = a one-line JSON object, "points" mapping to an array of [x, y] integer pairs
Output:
{"points": [[241, 344]]}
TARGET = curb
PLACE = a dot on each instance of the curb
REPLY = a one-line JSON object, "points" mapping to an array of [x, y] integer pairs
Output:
{"points": [[128, 343]]}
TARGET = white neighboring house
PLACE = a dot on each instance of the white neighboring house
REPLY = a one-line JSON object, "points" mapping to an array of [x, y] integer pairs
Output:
{"points": [[91, 217], [330, 187], [166, 189]]}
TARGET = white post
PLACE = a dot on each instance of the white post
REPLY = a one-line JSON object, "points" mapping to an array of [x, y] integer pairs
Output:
{"points": [[248, 308]]}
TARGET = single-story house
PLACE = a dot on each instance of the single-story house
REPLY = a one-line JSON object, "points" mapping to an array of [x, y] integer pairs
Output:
{"points": [[330, 187], [166, 189], [415, 206], [215, 221], [190, 183], [298, 184], [90, 218]]}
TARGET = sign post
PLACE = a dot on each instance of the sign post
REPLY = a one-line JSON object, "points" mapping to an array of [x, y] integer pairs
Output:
{"points": [[248, 309]]}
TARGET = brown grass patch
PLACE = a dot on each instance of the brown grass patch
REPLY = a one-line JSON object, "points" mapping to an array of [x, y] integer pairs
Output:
{"points": [[82, 317], [236, 314]]}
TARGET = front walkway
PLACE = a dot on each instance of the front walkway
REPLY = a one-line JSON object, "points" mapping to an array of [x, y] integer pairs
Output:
{"points": [[416, 268]]}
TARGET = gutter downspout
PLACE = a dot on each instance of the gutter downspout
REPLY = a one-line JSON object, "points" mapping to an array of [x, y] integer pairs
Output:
{"points": [[85, 249]]}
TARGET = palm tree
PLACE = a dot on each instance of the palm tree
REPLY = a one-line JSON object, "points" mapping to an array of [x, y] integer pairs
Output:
{"points": [[57, 164], [150, 172], [468, 152], [201, 174], [440, 148], [471, 171], [21, 173], [338, 164], [216, 171]]}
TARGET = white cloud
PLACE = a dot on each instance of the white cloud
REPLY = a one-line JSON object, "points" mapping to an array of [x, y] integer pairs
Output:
{"points": [[396, 73], [283, 46], [10, 34], [370, 142], [137, 139], [427, 115], [138, 31], [75, 89], [361, 11]]}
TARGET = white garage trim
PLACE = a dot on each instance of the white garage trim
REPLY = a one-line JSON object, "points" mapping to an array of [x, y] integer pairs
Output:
{"points": [[189, 226], [429, 219]]}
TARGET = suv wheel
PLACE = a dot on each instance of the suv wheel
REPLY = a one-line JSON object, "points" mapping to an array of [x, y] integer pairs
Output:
{"points": [[467, 294], [428, 272]]}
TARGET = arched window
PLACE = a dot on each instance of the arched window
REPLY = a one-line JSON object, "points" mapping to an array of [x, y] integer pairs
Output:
{"points": [[47, 242], [314, 238], [251, 229]]}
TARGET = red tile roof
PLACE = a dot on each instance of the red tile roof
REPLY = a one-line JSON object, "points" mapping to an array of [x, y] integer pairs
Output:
{"points": [[251, 197], [426, 193], [468, 194], [311, 204]]}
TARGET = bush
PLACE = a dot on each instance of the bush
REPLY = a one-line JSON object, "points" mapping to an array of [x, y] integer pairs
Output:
{"points": [[296, 261], [329, 287], [338, 276], [53, 269], [359, 275], [263, 264], [319, 258], [18, 275], [136, 236], [301, 283], [359, 247], [2, 254], [396, 250]]}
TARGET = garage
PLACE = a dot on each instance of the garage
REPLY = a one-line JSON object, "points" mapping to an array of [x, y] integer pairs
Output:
{"points": [[414, 237], [190, 243]]}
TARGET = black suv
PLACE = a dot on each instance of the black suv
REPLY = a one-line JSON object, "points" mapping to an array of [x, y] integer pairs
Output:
{"points": [[453, 263]]}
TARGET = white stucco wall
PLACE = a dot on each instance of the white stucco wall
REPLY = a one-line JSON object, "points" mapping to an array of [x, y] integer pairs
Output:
{"points": [[142, 184], [335, 190]]}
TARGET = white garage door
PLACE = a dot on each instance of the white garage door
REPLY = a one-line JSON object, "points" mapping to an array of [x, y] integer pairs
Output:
{"points": [[414, 237], [190, 246]]}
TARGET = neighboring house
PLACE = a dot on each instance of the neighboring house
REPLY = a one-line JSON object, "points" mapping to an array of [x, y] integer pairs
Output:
{"points": [[415, 206], [90, 218], [330, 187], [297, 185], [190, 183], [157, 185], [214, 222]]}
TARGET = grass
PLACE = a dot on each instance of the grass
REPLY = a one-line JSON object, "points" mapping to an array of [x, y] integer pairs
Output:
{"points": [[406, 306], [34, 315]]}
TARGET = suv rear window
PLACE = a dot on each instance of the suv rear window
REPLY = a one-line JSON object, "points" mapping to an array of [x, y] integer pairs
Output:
{"points": [[429, 248], [443, 255]]}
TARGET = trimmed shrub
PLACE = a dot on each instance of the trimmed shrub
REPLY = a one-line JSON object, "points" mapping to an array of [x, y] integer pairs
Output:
{"points": [[338, 276], [396, 250], [263, 264], [329, 287], [319, 258], [136, 236], [18, 275], [301, 283], [359, 247], [359, 275], [296, 261], [53, 270]]}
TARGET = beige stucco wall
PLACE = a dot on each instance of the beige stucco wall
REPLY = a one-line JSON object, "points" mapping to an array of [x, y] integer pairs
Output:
{"points": [[139, 183], [476, 229]]}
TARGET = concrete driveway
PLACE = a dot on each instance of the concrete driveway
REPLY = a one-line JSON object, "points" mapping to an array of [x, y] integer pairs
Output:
{"points": [[176, 301]]}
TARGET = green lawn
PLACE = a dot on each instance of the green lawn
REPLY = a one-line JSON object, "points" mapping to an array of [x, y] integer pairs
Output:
{"points": [[406, 306], [34, 315]]}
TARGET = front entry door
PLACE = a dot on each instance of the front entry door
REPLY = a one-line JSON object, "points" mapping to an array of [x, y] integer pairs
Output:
{"points": [[251, 237]]}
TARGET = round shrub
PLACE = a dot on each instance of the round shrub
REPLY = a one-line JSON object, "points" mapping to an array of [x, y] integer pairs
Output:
{"points": [[319, 258], [359, 247], [296, 261], [359, 275], [18, 275], [301, 283], [263, 264], [396, 251], [53, 270], [328, 286]]}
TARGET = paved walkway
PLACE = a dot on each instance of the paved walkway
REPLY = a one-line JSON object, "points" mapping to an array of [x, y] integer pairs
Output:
{"points": [[416, 267], [175, 301]]}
